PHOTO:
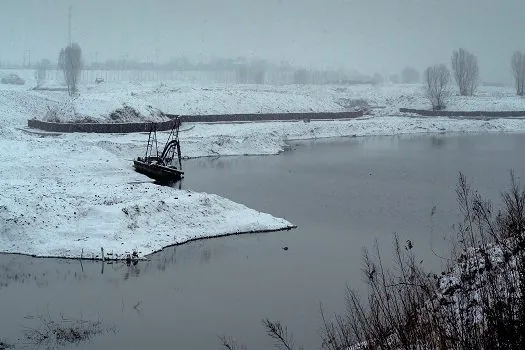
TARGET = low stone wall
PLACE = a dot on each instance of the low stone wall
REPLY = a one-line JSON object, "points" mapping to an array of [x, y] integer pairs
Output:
{"points": [[99, 127], [167, 125], [470, 114], [254, 117]]}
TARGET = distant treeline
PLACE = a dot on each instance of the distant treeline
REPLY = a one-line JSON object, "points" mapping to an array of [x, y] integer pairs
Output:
{"points": [[242, 75], [239, 70]]}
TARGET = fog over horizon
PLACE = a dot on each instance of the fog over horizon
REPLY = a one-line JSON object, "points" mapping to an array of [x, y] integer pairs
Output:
{"points": [[366, 35]]}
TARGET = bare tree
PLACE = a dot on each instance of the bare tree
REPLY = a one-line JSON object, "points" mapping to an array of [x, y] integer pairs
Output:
{"points": [[410, 75], [466, 72], [70, 62], [41, 72], [518, 70], [437, 88]]}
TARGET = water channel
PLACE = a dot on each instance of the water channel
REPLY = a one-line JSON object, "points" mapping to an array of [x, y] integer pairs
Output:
{"points": [[343, 194]]}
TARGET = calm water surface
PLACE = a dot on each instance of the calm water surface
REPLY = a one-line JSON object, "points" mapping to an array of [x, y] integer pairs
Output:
{"points": [[342, 194]]}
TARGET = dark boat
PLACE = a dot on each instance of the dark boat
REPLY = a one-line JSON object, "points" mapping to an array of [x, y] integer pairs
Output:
{"points": [[161, 166]]}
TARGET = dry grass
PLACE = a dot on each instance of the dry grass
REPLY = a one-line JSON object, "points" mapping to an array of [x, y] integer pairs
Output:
{"points": [[274, 329], [62, 332], [4, 345], [477, 304]]}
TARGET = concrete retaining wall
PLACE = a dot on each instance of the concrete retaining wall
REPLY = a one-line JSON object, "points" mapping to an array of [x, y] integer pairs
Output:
{"points": [[267, 117], [98, 128], [167, 125], [479, 114]]}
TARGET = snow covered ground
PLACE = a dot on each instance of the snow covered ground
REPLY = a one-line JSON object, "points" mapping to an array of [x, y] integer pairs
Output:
{"points": [[66, 198], [97, 101], [72, 193]]}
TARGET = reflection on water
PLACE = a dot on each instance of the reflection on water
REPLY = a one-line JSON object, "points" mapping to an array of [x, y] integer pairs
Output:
{"points": [[21, 269], [133, 270], [437, 141], [205, 256], [165, 258]]}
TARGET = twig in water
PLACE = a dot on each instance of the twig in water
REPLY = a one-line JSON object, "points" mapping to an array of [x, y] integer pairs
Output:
{"points": [[279, 333], [228, 343]]}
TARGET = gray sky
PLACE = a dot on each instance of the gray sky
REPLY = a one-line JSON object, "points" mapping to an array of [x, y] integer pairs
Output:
{"points": [[368, 35]]}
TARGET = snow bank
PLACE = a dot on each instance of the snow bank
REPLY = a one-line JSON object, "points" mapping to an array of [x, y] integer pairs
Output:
{"points": [[384, 99], [201, 140], [97, 109], [70, 193], [70, 198], [99, 101]]}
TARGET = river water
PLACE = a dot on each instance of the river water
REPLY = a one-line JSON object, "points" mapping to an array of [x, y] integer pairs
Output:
{"points": [[343, 194]]}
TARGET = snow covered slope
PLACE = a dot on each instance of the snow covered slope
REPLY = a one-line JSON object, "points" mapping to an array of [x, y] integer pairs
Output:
{"points": [[74, 193], [99, 101], [65, 198]]}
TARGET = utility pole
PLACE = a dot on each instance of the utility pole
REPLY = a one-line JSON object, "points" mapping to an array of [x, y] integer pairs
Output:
{"points": [[69, 26], [27, 59]]}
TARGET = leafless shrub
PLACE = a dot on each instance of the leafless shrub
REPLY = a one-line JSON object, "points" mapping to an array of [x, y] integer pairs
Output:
{"points": [[279, 334], [70, 62], [358, 104], [477, 304], [518, 70], [490, 267], [466, 71], [51, 333], [392, 318], [437, 89], [62, 112], [52, 115], [86, 120], [511, 224], [274, 329], [4, 345], [228, 343]]}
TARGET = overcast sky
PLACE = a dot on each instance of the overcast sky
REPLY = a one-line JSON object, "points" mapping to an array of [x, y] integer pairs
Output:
{"points": [[368, 35]]}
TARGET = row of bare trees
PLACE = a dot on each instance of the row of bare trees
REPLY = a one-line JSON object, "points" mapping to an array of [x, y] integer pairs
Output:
{"points": [[465, 71]]}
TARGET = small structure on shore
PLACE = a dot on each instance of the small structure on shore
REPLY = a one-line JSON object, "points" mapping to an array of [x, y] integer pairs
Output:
{"points": [[162, 166]]}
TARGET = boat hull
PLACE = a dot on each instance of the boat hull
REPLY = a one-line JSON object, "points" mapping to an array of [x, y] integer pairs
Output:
{"points": [[158, 172]]}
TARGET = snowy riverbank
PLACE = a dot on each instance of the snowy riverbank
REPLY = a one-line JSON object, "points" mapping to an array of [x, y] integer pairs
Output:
{"points": [[69, 199], [71, 194], [202, 140], [99, 101]]}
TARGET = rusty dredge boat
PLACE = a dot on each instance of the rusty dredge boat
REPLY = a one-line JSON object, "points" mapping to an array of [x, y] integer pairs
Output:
{"points": [[162, 166]]}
